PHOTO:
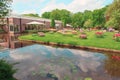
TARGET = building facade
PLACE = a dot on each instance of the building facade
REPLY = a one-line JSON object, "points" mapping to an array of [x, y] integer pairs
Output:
{"points": [[14, 26]]}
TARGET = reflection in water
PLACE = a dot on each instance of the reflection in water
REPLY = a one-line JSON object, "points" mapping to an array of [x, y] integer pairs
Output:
{"points": [[112, 65], [38, 62]]}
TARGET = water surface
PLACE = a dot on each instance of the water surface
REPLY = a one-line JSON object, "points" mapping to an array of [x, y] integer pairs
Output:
{"points": [[38, 62]]}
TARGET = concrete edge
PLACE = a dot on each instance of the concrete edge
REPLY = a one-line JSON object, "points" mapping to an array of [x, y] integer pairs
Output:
{"points": [[95, 49]]}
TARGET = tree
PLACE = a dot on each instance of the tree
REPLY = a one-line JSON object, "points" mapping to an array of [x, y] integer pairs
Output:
{"points": [[52, 23], [46, 15], [113, 7], [61, 15], [98, 17], [77, 20], [64, 23], [55, 14], [31, 15], [4, 7], [113, 12], [87, 15], [65, 15], [88, 23], [6, 71]]}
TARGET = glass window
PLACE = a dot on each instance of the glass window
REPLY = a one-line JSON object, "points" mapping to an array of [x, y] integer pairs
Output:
{"points": [[11, 28]]}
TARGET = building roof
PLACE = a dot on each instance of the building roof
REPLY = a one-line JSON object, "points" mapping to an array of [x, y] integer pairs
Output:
{"points": [[35, 22], [32, 18]]}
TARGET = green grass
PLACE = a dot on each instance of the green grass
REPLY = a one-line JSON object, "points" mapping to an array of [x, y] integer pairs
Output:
{"points": [[105, 42]]}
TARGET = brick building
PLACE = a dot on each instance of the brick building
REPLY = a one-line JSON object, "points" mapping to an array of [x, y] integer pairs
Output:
{"points": [[14, 26]]}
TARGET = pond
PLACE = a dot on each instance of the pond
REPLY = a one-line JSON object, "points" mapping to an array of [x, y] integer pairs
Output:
{"points": [[39, 62]]}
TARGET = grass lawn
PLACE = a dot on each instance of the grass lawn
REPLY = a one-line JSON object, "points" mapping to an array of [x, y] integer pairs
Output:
{"points": [[92, 40]]}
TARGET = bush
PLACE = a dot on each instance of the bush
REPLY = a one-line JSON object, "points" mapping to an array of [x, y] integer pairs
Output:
{"points": [[83, 36], [88, 78], [66, 78], [117, 37], [6, 71], [30, 31], [34, 35], [99, 34]]}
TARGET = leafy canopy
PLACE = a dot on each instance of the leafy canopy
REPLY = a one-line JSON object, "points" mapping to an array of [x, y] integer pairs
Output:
{"points": [[31, 15], [4, 7], [113, 12], [52, 23]]}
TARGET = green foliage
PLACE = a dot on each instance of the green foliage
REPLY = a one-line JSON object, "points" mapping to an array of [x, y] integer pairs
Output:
{"points": [[58, 15], [46, 15], [6, 71], [110, 23], [30, 31], [88, 78], [117, 39], [52, 23], [55, 14], [66, 78], [4, 7], [65, 16], [113, 7], [113, 12], [114, 21], [87, 15], [31, 15], [88, 23], [77, 20], [98, 17], [64, 23]]}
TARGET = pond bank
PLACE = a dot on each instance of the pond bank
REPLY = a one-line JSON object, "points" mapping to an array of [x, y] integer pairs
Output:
{"points": [[73, 46]]}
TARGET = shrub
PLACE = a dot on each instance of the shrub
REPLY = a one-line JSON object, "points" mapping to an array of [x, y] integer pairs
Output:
{"points": [[6, 71], [34, 34], [88, 78], [41, 34], [83, 36], [66, 78], [99, 34], [30, 31], [117, 37]]}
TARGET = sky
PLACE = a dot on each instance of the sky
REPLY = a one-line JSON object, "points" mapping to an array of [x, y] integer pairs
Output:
{"points": [[41, 6]]}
